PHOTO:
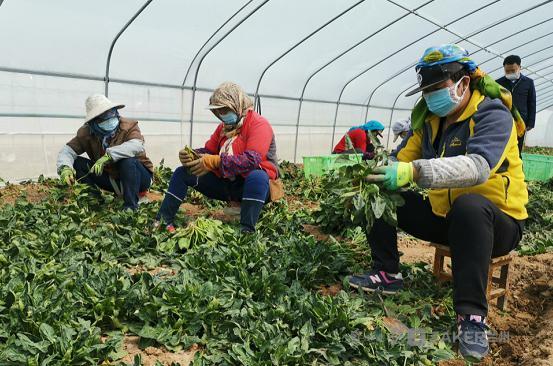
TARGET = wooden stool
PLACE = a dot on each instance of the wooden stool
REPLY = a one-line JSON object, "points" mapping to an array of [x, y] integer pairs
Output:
{"points": [[502, 264]]}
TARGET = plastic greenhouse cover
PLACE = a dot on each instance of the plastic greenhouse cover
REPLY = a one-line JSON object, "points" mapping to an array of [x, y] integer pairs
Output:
{"points": [[158, 47]]}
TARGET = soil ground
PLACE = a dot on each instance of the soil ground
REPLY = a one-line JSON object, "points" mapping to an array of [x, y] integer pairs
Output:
{"points": [[528, 319]]}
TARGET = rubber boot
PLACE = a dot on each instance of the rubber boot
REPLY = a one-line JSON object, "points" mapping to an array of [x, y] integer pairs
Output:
{"points": [[249, 214], [168, 209]]}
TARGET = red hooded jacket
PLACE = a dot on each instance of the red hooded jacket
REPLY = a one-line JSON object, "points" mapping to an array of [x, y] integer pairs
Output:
{"points": [[254, 148]]}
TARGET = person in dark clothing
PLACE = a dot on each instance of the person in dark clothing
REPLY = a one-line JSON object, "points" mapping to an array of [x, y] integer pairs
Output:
{"points": [[523, 91]]}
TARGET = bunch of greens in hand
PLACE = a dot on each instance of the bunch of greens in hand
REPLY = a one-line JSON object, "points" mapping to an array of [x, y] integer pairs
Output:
{"points": [[353, 201]]}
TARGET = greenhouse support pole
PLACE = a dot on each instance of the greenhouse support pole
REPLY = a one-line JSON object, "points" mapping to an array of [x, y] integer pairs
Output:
{"points": [[108, 61], [414, 42], [256, 95], [548, 93], [546, 88], [194, 86], [211, 37], [544, 68], [546, 100], [301, 99], [392, 118], [464, 38], [544, 108]]}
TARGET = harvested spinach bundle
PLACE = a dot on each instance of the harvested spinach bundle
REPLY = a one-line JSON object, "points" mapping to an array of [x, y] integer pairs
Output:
{"points": [[351, 201]]}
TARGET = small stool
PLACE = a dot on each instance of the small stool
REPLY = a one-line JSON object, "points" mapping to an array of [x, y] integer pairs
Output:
{"points": [[502, 264]]}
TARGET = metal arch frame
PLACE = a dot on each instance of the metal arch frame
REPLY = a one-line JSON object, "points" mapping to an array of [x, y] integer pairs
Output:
{"points": [[462, 38], [542, 93], [466, 39], [152, 84], [546, 88], [159, 85], [257, 102], [546, 95], [391, 54], [194, 86], [527, 43], [544, 108], [211, 37], [520, 31], [455, 20], [541, 83], [112, 46], [538, 62], [486, 28], [301, 99], [523, 67], [500, 67], [547, 99], [405, 90], [544, 67]]}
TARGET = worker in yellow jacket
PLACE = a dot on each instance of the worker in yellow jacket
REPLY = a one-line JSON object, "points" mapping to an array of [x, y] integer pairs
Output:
{"points": [[463, 148]]}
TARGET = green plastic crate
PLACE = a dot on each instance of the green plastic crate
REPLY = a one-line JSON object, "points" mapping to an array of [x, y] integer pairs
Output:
{"points": [[319, 165], [537, 167]]}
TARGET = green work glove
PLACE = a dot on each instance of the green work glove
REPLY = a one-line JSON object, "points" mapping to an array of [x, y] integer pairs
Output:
{"points": [[98, 167], [393, 176], [67, 175]]}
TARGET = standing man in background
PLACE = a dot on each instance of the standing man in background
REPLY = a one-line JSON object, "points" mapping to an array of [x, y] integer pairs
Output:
{"points": [[523, 91]]}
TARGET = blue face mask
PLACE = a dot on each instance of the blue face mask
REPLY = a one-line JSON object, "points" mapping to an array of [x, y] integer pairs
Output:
{"points": [[230, 118], [109, 125], [443, 101]]}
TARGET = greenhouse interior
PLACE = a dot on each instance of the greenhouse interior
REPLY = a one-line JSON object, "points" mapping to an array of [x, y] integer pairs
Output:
{"points": [[371, 182]]}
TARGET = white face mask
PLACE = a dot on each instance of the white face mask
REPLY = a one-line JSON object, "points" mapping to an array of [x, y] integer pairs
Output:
{"points": [[513, 76]]}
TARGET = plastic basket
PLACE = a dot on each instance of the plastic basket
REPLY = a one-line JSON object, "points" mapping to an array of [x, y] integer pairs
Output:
{"points": [[537, 167], [319, 165]]}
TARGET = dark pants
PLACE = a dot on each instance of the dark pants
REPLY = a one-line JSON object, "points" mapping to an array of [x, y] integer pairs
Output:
{"points": [[133, 178], [252, 192], [474, 229]]}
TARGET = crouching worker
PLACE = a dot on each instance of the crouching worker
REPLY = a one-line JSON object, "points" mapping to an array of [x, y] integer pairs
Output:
{"points": [[238, 162], [116, 162], [463, 147], [357, 140]]}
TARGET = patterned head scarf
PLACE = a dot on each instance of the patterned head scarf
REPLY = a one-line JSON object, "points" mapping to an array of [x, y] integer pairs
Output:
{"points": [[232, 96], [446, 54], [479, 80], [371, 125]]}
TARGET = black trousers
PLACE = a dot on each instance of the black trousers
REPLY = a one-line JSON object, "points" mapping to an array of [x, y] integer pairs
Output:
{"points": [[133, 176], [474, 229]]}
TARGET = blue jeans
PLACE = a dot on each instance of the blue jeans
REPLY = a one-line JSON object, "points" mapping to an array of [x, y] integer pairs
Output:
{"points": [[133, 178], [252, 192]]}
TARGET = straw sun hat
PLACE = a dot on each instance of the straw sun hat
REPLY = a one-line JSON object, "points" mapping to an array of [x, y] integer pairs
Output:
{"points": [[97, 104]]}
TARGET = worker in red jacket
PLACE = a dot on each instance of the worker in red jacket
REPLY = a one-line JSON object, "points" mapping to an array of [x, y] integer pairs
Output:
{"points": [[357, 139], [236, 164]]}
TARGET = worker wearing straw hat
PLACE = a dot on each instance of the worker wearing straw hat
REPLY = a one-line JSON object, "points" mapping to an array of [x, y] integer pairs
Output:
{"points": [[116, 161], [463, 148], [238, 162]]}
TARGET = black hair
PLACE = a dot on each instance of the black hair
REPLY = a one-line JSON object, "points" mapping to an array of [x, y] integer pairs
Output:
{"points": [[459, 75], [512, 59]]}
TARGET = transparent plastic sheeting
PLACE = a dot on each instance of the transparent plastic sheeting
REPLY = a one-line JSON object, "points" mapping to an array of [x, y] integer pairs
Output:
{"points": [[55, 54]]}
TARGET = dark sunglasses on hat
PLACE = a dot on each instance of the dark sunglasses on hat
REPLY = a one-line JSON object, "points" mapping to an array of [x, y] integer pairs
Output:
{"points": [[433, 75]]}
